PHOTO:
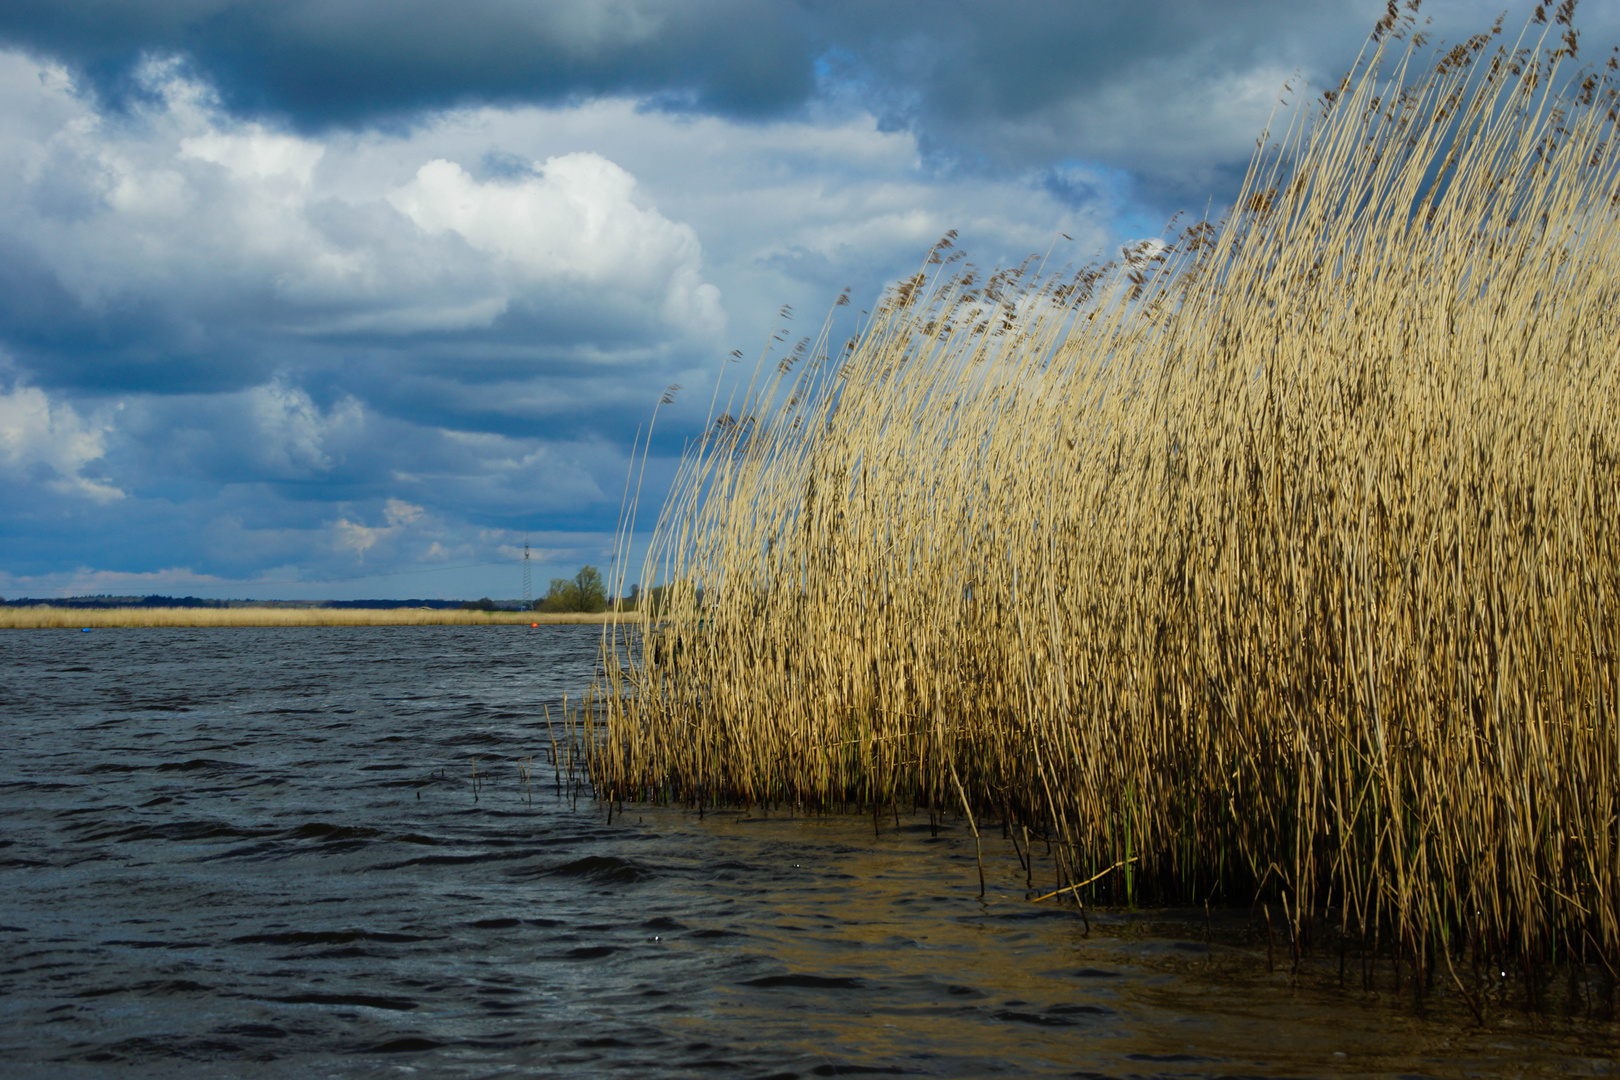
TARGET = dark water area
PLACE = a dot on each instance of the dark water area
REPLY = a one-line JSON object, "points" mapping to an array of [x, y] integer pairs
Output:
{"points": [[261, 852]]}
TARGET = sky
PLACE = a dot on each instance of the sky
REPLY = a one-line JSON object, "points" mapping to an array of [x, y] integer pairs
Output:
{"points": [[352, 298]]}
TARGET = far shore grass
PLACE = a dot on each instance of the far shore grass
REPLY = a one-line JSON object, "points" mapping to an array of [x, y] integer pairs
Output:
{"points": [[77, 618]]}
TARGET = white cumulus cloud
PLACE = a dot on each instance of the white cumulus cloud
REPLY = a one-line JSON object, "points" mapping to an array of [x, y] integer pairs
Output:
{"points": [[292, 430], [49, 442], [234, 229], [575, 221], [399, 514]]}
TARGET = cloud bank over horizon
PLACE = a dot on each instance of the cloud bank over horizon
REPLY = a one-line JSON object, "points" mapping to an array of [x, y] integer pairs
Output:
{"points": [[330, 299]]}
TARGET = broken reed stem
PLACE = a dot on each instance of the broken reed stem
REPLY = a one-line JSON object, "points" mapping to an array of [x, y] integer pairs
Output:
{"points": [[978, 849], [1278, 557], [1098, 876]]}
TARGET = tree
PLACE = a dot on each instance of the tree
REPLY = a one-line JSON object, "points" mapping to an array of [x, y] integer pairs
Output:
{"points": [[592, 592], [562, 596], [584, 592]]}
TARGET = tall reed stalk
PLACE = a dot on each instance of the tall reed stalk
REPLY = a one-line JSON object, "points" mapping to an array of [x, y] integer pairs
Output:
{"points": [[1280, 558]]}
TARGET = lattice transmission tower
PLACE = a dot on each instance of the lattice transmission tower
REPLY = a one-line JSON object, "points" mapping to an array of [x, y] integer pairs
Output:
{"points": [[528, 585]]}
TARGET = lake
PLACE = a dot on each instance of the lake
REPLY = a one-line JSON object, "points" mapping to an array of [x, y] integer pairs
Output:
{"points": [[308, 851]]}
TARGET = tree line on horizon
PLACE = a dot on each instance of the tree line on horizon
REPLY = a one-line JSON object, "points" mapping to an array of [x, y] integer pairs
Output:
{"points": [[584, 592]]}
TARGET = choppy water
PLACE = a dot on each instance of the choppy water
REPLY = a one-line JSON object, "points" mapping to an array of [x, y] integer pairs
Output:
{"points": [[260, 852]]}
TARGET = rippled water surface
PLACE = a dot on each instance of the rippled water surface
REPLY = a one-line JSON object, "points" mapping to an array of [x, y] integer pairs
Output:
{"points": [[263, 852]]}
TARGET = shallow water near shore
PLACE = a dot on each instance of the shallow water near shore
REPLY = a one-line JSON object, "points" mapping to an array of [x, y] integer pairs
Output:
{"points": [[262, 852]]}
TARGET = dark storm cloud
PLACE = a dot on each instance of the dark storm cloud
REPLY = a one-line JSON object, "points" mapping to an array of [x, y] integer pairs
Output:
{"points": [[351, 61], [128, 341], [983, 84], [355, 61], [973, 61]]}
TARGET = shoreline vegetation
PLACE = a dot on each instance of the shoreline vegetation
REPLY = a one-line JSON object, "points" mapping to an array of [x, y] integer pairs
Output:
{"points": [[1274, 564], [98, 618]]}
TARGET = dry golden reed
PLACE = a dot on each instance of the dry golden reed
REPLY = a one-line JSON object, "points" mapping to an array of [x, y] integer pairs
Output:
{"points": [[1277, 560], [45, 617]]}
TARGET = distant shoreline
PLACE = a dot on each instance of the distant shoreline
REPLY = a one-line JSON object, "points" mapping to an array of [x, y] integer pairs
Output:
{"points": [[45, 618]]}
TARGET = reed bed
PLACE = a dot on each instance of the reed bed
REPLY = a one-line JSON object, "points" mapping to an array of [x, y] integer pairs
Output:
{"points": [[47, 617], [1274, 562]]}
